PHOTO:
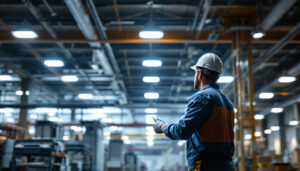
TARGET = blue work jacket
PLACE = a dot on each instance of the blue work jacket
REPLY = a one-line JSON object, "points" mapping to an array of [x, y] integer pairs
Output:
{"points": [[207, 125]]}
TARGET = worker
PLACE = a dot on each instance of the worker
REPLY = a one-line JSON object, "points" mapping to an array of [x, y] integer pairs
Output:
{"points": [[207, 125]]}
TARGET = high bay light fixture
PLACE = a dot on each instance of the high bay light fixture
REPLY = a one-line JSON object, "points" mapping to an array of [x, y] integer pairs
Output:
{"points": [[152, 63], [151, 95], [24, 33], [287, 79], [151, 79], [266, 95], [69, 78], [257, 35], [151, 31], [54, 63]]}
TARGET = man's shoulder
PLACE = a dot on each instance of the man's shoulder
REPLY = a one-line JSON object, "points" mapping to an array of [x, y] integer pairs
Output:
{"points": [[199, 95]]}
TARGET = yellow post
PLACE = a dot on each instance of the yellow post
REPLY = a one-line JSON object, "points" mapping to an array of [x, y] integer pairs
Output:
{"points": [[239, 101], [251, 101], [240, 107]]}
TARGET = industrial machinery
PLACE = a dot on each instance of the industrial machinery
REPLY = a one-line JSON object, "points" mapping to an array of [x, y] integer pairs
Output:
{"points": [[93, 137], [79, 155], [115, 153], [44, 152], [130, 161], [6, 151], [41, 154], [8, 133]]}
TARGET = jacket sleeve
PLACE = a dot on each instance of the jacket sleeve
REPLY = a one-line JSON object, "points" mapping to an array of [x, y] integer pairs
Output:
{"points": [[198, 110]]}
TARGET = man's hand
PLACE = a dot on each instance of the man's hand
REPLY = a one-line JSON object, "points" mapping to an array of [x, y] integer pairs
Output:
{"points": [[158, 126]]}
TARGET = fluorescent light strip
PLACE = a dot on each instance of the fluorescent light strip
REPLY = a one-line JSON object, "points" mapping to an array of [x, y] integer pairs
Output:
{"points": [[257, 35], [150, 110], [53, 63], [5, 77], [151, 79], [266, 95], [151, 95], [152, 63], [287, 79], [85, 96], [277, 110], [69, 78], [151, 34], [24, 34], [258, 117]]}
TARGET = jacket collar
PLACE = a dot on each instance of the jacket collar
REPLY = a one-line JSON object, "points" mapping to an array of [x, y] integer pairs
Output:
{"points": [[212, 85]]}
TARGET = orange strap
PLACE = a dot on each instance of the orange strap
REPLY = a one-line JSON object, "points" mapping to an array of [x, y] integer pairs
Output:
{"points": [[197, 166]]}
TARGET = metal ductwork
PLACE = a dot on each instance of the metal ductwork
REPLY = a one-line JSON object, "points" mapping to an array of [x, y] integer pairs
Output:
{"points": [[277, 12], [85, 25]]}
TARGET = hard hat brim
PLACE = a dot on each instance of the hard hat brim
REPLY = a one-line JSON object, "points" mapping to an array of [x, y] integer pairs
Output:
{"points": [[193, 67]]}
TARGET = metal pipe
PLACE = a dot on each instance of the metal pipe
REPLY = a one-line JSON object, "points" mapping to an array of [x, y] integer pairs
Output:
{"points": [[276, 48], [275, 15]]}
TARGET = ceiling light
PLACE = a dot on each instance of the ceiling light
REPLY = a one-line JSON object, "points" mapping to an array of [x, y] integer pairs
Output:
{"points": [[19, 92], [225, 79], [152, 63], [151, 33], [31, 130], [11, 120], [33, 116], [113, 128], [53, 63], [151, 79], [277, 110], [275, 128], [102, 115], [85, 96], [248, 136], [150, 110], [150, 143], [66, 138], [293, 123], [53, 119], [124, 137], [24, 34], [258, 117], [257, 134], [287, 79], [127, 142], [267, 131], [69, 78], [106, 120], [27, 92], [257, 35], [266, 95], [5, 78], [151, 95]]}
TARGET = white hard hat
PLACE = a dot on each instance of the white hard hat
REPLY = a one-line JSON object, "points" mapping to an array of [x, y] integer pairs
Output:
{"points": [[210, 61]]}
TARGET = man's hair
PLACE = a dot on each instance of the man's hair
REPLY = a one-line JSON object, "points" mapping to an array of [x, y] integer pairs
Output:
{"points": [[211, 76]]}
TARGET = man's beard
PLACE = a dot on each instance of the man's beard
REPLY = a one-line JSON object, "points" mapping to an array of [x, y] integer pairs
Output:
{"points": [[197, 85]]}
